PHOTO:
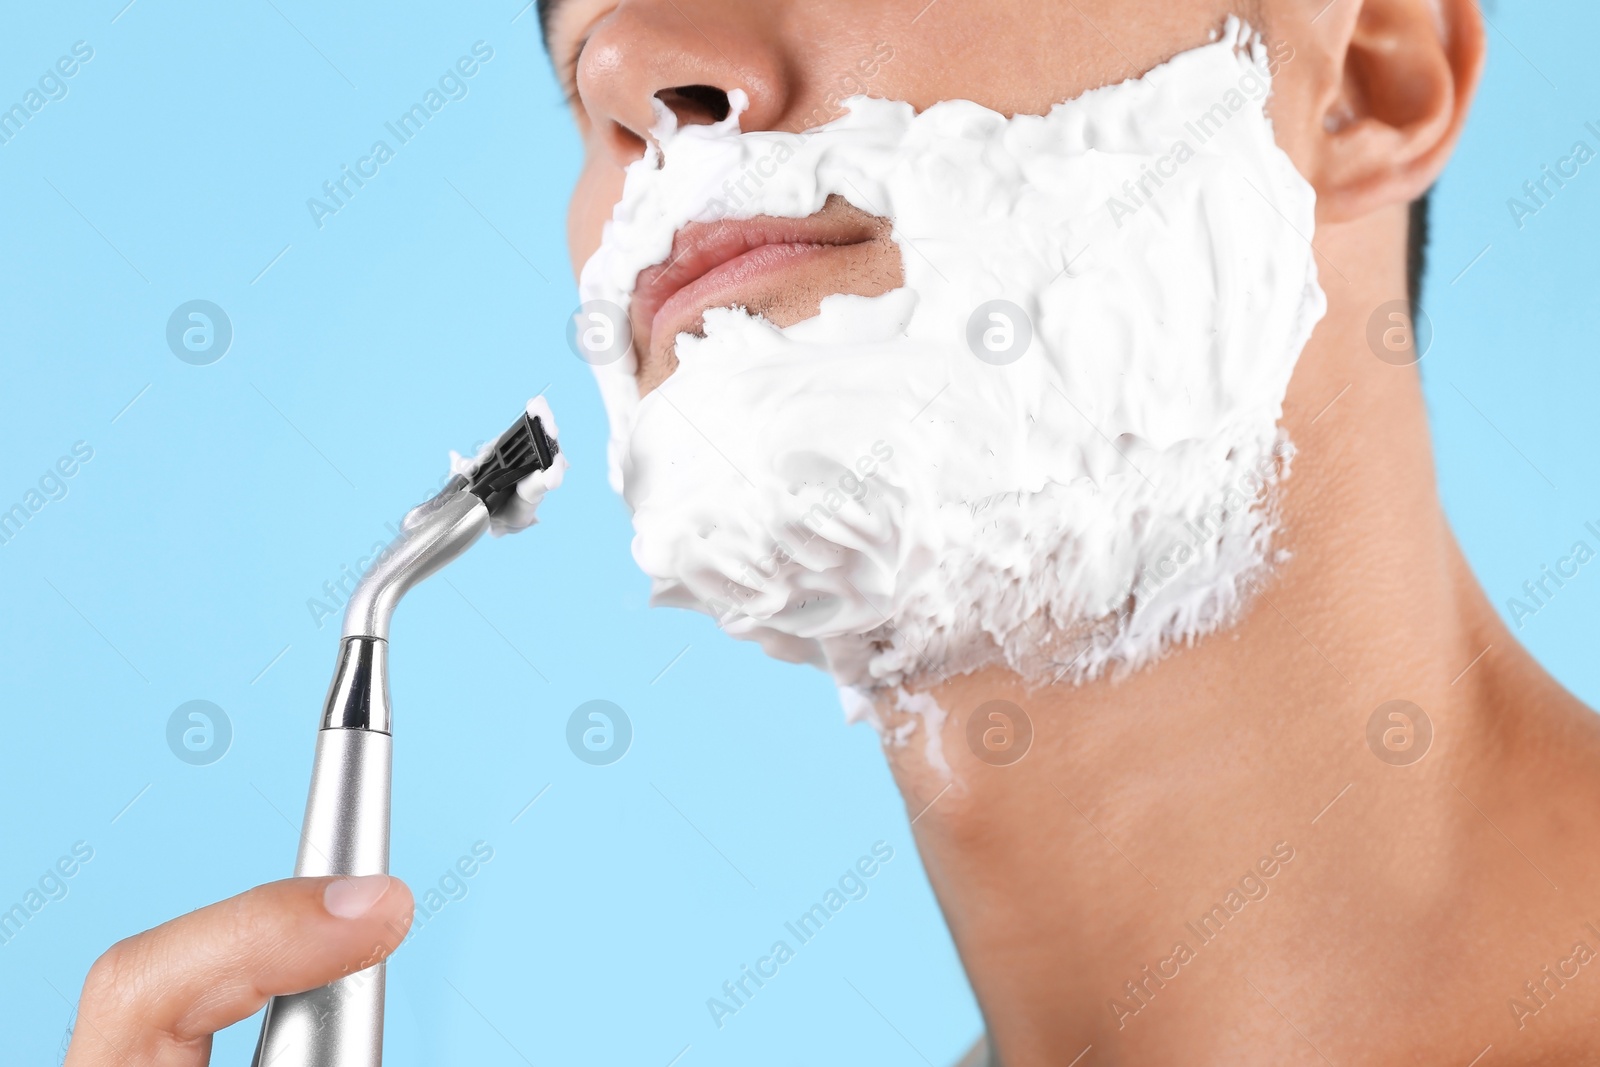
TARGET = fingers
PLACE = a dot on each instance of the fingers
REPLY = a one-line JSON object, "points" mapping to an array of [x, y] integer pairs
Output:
{"points": [[156, 998]]}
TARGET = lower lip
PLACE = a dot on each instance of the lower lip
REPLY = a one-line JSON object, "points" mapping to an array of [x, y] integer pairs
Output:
{"points": [[721, 286]]}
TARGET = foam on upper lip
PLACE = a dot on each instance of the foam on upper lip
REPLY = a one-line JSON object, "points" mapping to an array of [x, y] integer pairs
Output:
{"points": [[862, 491]]}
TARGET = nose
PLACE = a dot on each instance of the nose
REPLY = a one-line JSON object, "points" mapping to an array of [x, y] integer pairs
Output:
{"points": [[687, 54]]}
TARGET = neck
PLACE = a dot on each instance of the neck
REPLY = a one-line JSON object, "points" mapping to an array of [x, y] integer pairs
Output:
{"points": [[1181, 844]]}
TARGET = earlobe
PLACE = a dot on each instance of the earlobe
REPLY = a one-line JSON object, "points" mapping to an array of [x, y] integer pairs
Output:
{"points": [[1396, 103]]}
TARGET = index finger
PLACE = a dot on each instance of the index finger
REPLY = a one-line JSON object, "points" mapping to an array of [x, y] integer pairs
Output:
{"points": [[157, 997]]}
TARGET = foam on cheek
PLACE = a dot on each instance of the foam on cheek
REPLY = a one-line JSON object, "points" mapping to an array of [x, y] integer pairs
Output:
{"points": [[861, 491], [929, 717]]}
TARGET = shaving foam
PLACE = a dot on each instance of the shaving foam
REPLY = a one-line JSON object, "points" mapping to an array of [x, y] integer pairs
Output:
{"points": [[874, 490], [523, 511]]}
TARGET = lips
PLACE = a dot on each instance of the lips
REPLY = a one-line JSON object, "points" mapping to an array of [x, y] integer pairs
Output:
{"points": [[714, 264]]}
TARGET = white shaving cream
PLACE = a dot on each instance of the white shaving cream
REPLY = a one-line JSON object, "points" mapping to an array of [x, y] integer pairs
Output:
{"points": [[523, 511], [863, 492]]}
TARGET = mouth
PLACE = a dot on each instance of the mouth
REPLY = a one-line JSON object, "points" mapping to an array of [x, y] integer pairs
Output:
{"points": [[779, 268]]}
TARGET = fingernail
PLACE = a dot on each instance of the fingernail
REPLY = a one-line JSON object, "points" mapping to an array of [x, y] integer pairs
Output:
{"points": [[351, 898]]}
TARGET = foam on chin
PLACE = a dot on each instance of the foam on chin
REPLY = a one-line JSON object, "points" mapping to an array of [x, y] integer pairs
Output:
{"points": [[860, 491]]}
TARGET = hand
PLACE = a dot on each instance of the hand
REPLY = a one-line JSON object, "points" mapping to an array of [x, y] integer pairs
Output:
{"points": [[155, 999]]}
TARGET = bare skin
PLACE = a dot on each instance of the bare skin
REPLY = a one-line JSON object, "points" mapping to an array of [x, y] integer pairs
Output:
{"points": [[1406, 905]]}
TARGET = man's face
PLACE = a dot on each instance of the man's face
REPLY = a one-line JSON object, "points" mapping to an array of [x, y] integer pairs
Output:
{"points": [[1051, 337], [798, 60]]}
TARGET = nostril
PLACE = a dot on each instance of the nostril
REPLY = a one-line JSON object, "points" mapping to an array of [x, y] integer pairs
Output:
{"points": [[696, 105]]}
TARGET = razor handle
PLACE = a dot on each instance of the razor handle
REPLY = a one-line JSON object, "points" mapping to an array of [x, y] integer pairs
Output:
{"points": [[346, 831]]}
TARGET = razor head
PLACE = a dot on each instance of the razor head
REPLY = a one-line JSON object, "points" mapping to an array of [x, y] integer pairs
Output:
{"points": [[522, 451]]}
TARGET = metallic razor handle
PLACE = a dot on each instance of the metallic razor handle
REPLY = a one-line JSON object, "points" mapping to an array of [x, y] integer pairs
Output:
{"points": [[347, 814], [346, 832]]}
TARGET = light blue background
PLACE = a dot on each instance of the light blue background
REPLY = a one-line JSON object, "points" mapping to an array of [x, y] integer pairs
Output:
{"points": [[179, 565]]}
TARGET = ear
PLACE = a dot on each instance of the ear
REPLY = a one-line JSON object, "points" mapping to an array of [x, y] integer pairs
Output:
{"points": [[1402, 74]]}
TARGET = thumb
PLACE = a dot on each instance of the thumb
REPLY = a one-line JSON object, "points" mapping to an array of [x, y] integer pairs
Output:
{"points": [[157, 997]]}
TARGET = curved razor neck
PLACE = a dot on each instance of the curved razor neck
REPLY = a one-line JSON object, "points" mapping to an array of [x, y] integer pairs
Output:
{"points": [[432, 535]]}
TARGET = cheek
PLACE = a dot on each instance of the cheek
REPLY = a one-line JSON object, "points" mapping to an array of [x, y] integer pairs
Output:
{"points": [[1051, 51], [1295, 108], [598, 190]]}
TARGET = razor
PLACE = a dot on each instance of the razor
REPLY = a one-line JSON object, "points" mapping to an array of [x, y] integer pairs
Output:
{"points": [[346, 828]]}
